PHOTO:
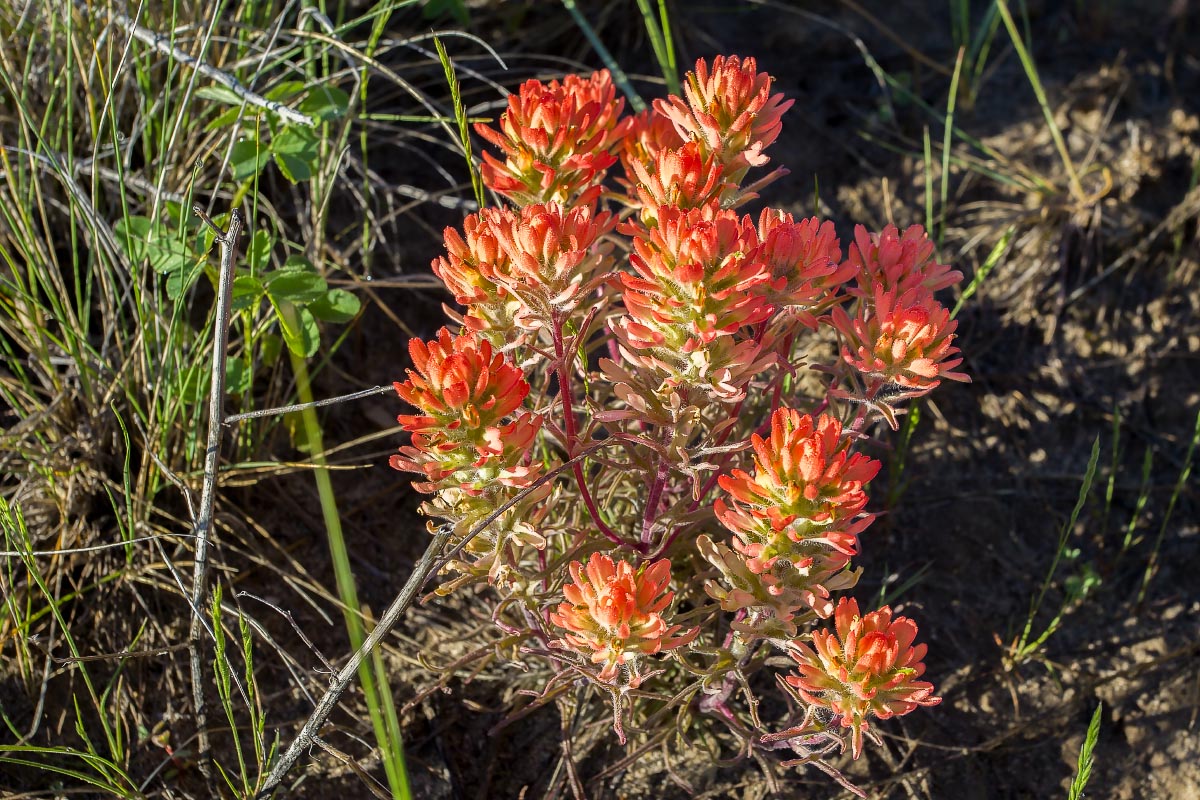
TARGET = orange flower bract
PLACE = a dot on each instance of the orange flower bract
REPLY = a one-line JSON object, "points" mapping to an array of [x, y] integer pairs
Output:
{"points": [[730, 110], [555, 138], [613, 614], [867, 666], [795, 521], [906, 339], [897, 262], [465, 391]]}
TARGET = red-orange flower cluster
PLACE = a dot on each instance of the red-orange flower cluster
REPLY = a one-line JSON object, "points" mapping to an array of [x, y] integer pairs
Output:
{"points": [[710, 312], [698, 285], [802, 258], [795, 521], [730, 111], [460, 441], [613, 614], [556, 139], [905, 339], [682, 177], [867, 666], [897, 262], [521, 268]]}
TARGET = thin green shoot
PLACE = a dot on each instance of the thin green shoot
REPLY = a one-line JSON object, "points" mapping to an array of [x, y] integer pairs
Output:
{"points": [[460, 115], [1140, 505], [927, 164], [1027, 643], [948, 132], [980, 49], [225, 691], [1184, 474], [985, 269], [658, 28], [899, 460], [1083, 769], [374, 681], [618, 75], [891, 592], [1112, 471], [1034, 81]]}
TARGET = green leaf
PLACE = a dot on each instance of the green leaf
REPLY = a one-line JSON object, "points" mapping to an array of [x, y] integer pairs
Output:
{"points": [[132, 233], [298, 263], [247, 292], [258, 253], [285, 90], [145, 240], [220, 94], [226, 118], [295, 152], [325, 103], [336, 305], [247, 158], [270, 346], [179, 281], [300, 332], [295, 286], [237, 376], [192, 385]]}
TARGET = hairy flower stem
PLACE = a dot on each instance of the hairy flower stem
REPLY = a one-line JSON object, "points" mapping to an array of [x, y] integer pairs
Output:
{"points": [[564, 392]]}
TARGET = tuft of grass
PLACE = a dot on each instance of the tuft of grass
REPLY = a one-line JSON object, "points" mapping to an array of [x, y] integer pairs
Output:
{"points": [[106, 336]]}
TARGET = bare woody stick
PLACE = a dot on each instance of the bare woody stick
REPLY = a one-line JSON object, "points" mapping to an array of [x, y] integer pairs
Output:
{"points": [[202, 525], [428, 565]]}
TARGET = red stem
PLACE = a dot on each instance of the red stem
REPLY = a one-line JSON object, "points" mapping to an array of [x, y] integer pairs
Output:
{"points": [[564, 392]]}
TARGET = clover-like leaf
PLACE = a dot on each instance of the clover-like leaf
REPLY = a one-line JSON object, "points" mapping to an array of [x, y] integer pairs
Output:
{"points": [[258, 252], [247, 292], [300, 331], [325, 103], [295, 152], [336, 305], [247, 158]]}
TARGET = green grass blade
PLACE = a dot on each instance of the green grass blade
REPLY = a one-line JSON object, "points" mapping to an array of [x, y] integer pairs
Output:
{"points": [[658, 29], [927, 163], [387, 730], [460, 115], [1184, 475], [947, 135], [618, 75], [1032, 74], [1083, 770], [985, 269], [1064, 535]]}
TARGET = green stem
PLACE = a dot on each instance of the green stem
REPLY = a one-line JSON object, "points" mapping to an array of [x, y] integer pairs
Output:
{"points": [[374, 679]]}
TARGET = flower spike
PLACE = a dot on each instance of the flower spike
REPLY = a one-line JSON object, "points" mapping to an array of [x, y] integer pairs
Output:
{"points": [[613, 614], [866, 666]]}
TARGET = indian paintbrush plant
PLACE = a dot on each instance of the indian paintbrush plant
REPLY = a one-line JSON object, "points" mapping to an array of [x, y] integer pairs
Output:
{"points": [[676, 494]]}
